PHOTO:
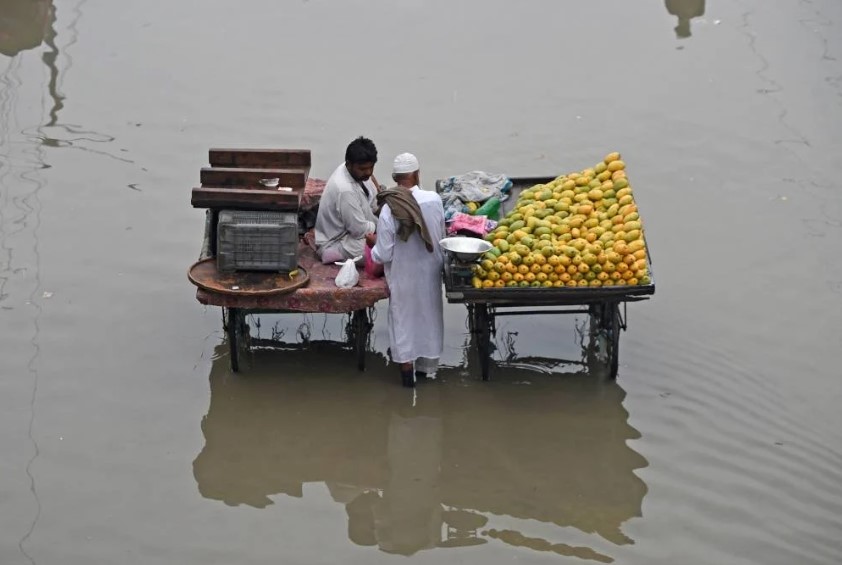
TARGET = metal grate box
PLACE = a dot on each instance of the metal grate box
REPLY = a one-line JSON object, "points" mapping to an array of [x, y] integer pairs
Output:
{"points": [[257, 241]]}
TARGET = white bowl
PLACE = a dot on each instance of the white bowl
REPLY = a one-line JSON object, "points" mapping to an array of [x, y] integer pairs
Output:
{"points": [[270, 182], [465, 248]]}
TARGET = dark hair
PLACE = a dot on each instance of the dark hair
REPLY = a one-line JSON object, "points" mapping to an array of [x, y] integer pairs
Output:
{"points": [[361, 150]]}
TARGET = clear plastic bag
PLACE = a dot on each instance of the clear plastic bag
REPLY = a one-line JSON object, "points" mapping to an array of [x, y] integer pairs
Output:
{"points": [[348, 276]]}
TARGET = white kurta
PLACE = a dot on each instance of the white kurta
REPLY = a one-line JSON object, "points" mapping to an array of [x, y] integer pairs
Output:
{"points": [[345, 214], [416, 322]]}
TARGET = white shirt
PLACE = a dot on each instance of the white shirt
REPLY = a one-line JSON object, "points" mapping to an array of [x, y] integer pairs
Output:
{"points": [[345, 213]]}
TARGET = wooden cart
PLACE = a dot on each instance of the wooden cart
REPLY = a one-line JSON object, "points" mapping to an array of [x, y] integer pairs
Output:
{"points": [[233, 182]]}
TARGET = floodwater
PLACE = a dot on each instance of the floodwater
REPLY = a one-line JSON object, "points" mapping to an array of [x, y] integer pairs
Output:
{"points": [[124, 438]]}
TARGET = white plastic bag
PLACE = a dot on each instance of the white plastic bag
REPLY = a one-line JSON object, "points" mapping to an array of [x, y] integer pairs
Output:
{"points": [[348, 276]]}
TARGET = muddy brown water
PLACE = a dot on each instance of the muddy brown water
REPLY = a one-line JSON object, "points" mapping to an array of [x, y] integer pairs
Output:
{"points": [[124, 438]]}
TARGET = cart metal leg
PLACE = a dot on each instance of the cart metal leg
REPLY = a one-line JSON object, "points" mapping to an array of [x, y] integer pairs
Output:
{"points": [[482, 322], [233, 328], [360, 327], [234, 324]]}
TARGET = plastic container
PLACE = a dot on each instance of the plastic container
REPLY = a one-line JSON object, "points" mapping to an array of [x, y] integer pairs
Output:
{"points": [[257, 241]]}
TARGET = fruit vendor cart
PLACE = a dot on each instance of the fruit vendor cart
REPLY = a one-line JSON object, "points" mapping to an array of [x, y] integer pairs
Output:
{"points": [[606, 306], [235, 181]]}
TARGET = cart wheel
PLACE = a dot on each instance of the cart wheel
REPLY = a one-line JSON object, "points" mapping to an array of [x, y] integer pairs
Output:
{"points": [[605, 333], [482, 326]]}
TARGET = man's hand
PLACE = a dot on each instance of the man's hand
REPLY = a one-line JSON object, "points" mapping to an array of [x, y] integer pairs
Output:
{"points": [[371, 239]]}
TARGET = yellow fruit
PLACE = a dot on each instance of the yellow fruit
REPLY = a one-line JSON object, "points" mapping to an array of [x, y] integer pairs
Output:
{"points": [[499, 283], [621, 183], [632, 236], [595, 194], [476, 282], [633, 225], [627, 199], [616, 175], [582, 283], [632, 281], [623, 192], [611, 157], [615, 166], [640, 253], [487, 283]]}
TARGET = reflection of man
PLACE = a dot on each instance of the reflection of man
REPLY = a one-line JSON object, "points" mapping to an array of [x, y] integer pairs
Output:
{"points": [[408, 233], [23, 24], [685, 10], [409, 516], [346, 213]]}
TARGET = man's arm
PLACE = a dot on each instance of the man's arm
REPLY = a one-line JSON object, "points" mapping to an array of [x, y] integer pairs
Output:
{"points": [[356, 221], [383, 249]]}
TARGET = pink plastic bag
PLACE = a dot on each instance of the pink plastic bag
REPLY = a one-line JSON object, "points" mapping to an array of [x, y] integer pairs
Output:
{"points": [[466, 222], [372, 267]]}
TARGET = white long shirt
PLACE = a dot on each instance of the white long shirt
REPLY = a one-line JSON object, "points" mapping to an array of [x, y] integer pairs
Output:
{"points": [[345, 213], [416, 323]]}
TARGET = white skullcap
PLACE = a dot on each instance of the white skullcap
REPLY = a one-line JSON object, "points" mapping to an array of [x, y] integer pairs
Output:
{"points": [[405, 163]]}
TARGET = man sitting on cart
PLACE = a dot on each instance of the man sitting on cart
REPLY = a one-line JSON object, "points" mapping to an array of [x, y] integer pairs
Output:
{"points": [[346, 210]]}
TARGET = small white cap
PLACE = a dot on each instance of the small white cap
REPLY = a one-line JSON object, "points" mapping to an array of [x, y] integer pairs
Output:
{"points": [[405, 163]]}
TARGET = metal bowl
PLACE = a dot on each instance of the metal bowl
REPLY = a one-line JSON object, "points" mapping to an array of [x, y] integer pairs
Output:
{"points": [[465, 248]]}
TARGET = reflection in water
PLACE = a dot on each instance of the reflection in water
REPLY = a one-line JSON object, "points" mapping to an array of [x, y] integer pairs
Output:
{"points": [[458, 464], [24, 24], [685, 10]]}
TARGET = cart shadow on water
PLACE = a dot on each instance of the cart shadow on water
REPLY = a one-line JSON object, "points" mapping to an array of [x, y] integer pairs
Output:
{"points": [[531, 460]]}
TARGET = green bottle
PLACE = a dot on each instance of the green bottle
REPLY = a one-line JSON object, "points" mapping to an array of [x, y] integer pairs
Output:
{"points": [[490, 209]]}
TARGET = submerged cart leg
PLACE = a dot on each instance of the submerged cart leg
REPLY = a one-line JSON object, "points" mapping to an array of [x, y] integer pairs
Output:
{"points": [[233, 329], [613, 319], [482, 326], [361, 327]]}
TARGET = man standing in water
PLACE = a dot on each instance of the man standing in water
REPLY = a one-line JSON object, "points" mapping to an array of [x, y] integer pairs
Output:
{"points": [[346, 210], [410, 227]]}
